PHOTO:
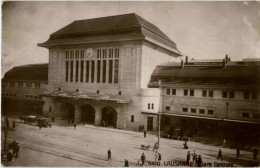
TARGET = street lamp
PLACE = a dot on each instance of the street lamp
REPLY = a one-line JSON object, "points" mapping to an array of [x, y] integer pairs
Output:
{"points": [[160, 110]]}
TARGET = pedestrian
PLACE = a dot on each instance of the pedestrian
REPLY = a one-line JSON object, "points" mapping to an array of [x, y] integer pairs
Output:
{"points": [[109, 155], [16, 150], [224, 143], [159, 157], [199, 161], [188, 159], [255, 152], [9, 155], [155, 146], [238, 152], [143, 159], [144, 133], [75, 125], [155, 157], [220, 155], [126, 163], [194, 158]]}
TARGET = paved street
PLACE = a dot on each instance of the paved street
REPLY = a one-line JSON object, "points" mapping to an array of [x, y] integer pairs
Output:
{"points": [[88, 146]]}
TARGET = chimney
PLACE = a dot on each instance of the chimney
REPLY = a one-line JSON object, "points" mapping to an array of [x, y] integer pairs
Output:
{"points": [[97, 91], [182, 64], [186, 59], [224, 63], [119, 93]]}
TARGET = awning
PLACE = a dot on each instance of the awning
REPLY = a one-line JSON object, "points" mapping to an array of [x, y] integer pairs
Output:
{"points": [[83, 96]]}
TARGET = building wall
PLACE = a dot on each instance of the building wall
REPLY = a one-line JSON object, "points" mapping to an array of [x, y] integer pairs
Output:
{"points": [[233, 110], [18, 98], [151, 57]]}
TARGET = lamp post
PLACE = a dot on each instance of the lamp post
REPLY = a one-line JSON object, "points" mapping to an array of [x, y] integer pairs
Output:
{"points": [[160, 110]]}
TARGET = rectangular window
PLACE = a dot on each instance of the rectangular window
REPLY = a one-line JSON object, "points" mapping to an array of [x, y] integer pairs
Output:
{"points": [[191, 92], [98, 70], [104, 71], [254, 95], [204, 93], [20, 84], [210, 112], [184, 109], [231, 94], [77, 54], [116, 69], [256, 116], [110, 75], [224, 94], [185, 92], [81, 70], [168, 91], [167, 108], [104, 53], [110, 53], [29, 84], [92, 71], [193, 110], [37, 85], [77, 71], [82, 54], [71, 54], [245, 115], [148, 105], [132, 118], [50, 109], [246, 95], [87, 71], [116, 53], [201, 111], [173, 91], [151, 105], [71, 71], [67, 71], [98, 53], [211, 93]]}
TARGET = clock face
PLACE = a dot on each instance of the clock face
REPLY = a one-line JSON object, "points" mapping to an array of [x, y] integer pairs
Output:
{"points": [[90, 52]]}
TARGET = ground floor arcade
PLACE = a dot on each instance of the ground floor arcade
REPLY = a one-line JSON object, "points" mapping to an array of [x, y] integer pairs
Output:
{"points": [[102, 113]]}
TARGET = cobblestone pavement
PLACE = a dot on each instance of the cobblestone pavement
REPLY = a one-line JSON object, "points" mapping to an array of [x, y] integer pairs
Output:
{"points": [[88, 146]]}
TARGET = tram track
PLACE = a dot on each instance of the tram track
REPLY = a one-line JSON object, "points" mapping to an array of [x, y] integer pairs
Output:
{"points": [[57, 150]]}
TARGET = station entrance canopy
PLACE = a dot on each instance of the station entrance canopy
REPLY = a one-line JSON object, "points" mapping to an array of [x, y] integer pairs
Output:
{"points": [[83, 96]]}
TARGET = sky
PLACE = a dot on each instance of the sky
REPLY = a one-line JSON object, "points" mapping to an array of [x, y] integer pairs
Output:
{"points": [[201, 30]]}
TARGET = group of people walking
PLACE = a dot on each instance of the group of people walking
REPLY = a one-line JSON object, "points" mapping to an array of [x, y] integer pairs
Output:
{"points": [[193, 159], [13, 151]]}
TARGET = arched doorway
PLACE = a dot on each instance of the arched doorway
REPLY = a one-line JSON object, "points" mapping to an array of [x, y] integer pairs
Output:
{"points": [[66, 111], [109, 117], [87, 114]]}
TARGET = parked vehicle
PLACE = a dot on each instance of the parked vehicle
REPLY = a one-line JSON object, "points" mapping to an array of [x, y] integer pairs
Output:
{"points": [[44, 122], [28, 119]]}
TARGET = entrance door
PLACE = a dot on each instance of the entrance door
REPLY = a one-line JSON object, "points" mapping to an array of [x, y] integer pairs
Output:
{"points": [[149, 123]]}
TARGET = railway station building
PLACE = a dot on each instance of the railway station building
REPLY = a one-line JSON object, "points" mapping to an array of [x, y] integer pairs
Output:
{"points": [[211, 98], [99, 70]]}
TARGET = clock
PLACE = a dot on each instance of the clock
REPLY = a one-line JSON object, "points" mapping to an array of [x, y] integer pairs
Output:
{"points": [[90, 52]]}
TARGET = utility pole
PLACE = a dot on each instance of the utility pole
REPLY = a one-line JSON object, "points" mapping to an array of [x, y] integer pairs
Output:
{"points": [[160, 110]]}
